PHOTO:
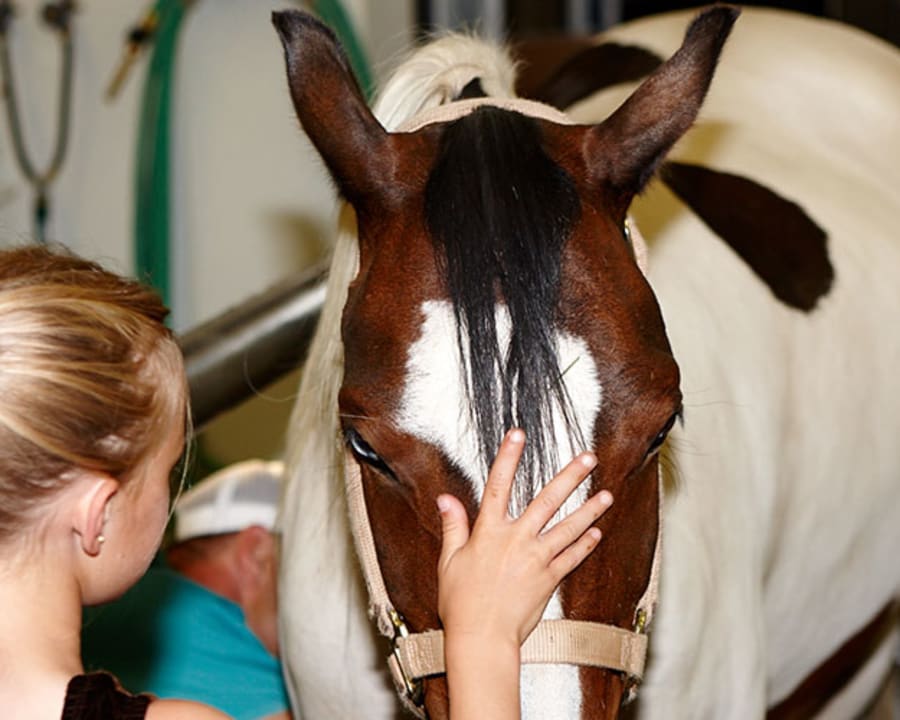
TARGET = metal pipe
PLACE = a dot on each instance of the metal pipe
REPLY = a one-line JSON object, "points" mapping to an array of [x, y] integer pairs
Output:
{"points": [[239, 352]]}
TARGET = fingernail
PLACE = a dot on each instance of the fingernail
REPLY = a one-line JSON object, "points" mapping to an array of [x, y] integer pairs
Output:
{"points": [[589, 460], [443, 503], [516, 435], [606, 497], [595, 533]]}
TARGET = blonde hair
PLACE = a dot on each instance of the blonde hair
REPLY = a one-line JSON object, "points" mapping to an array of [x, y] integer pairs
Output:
{"points": [[90, 377]]}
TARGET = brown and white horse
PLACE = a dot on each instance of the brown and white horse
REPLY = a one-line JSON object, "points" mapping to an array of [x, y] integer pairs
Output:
{"points": [[487, 279]]}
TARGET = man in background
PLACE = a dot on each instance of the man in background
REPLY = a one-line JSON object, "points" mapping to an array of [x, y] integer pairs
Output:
{"points": [[202, 623]]}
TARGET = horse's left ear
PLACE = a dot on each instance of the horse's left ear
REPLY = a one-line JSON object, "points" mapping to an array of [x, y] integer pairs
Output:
{"points": [[331, 107], [627, 147]]}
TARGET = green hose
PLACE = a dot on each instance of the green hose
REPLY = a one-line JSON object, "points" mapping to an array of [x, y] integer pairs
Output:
{"points": [[152, 202], [152, 248]]}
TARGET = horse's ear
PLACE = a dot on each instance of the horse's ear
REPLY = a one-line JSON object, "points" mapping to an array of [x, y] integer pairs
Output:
{"points": [[627, 147], [331, 107]]}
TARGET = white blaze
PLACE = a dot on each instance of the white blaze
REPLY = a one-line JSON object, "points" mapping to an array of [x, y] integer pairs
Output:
{"points": [[435, 409]]}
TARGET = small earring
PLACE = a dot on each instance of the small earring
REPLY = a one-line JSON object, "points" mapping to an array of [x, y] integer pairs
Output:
{"points": [[101, 539]]}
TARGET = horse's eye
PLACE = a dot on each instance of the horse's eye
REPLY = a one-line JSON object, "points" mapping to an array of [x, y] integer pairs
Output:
{"points": [[363, 452], [664, 433]]}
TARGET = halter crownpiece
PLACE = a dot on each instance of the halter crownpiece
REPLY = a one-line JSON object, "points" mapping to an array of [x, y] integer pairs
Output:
{"points": [[461, 108], [415, 656]]}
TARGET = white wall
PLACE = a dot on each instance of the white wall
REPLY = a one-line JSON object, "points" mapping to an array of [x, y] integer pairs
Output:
{"points": [[251, 202]]}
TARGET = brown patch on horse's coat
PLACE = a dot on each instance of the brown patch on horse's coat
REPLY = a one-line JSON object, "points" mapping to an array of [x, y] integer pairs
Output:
{"points": [[538, 58], [592, 70], [773, 235], [833, 675]]}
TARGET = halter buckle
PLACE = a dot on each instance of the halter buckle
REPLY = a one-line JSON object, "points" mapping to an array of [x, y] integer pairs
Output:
{"points": [[412, 688], [632, 682]]}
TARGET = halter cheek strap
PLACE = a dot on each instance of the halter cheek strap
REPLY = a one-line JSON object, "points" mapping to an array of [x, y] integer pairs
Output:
{"points": [[415, 656]]}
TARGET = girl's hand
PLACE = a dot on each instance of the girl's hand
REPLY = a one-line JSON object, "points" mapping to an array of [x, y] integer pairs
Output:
{"points": [[496, 582]]}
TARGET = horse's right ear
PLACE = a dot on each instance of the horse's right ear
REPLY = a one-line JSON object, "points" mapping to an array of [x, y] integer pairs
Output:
{"points": [[331, 108]]}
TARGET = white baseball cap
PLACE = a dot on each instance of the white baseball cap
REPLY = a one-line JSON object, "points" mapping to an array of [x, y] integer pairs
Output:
{"points": [[231, 499]]}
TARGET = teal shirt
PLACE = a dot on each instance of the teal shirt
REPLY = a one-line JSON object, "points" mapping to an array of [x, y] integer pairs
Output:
{"points": [[173, 638]]}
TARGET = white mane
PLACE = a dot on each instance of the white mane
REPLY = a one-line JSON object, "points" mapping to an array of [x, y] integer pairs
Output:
{"points": [[436, 74]]}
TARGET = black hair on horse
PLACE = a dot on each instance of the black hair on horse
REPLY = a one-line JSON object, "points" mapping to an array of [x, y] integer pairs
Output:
{"points": [[499, 211]]}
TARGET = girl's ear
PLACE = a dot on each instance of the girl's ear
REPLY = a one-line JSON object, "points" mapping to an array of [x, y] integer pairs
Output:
{"points": [[92, 510]]}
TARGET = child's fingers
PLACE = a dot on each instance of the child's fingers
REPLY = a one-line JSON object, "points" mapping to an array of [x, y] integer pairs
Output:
{"points": [[454, 527], [574, 554], [495, 503], [554, 494], [572, 527]]}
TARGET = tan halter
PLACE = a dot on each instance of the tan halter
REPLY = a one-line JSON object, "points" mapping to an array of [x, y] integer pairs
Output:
{"points": [[415, 656]]}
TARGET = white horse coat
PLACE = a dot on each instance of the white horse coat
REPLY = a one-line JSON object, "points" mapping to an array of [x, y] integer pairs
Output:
{"points": [[781, 535]]}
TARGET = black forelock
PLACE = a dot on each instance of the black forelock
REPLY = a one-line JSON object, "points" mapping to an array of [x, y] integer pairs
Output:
{"points": [[499, 210]]}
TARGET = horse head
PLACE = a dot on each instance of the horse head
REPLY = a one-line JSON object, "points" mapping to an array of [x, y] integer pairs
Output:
{"points": [[498, 286]]}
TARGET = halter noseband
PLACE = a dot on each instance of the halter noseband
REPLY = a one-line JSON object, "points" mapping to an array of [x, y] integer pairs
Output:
{"points": [[415, 656]]}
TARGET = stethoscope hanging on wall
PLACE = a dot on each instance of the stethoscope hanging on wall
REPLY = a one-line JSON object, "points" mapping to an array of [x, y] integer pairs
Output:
{"points": [[57, 15]]}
